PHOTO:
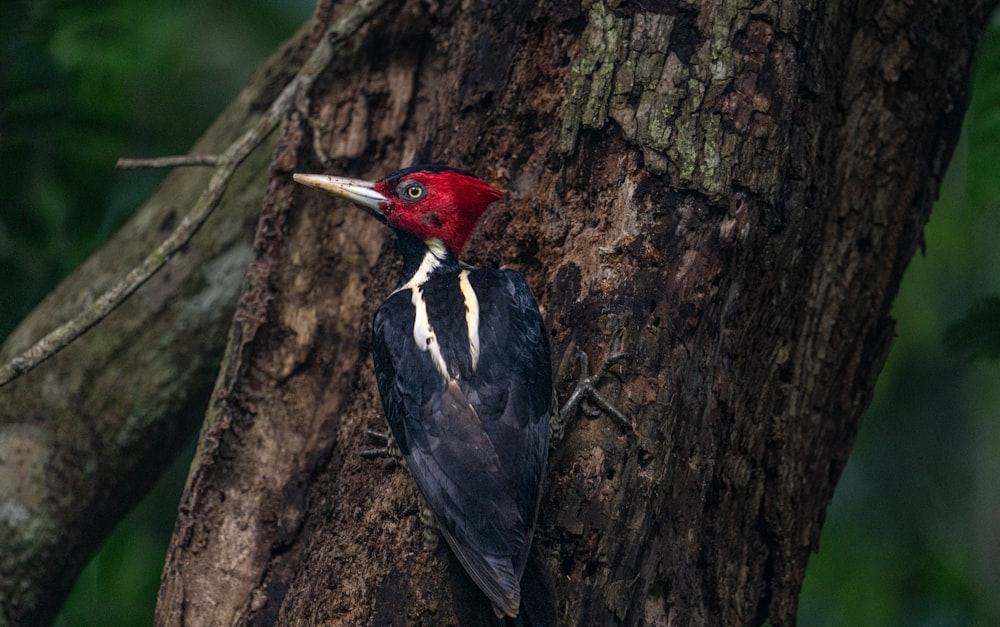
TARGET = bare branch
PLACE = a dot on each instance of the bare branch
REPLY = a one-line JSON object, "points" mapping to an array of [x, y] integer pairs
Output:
{"points": [[168, 162], [226, 164]]}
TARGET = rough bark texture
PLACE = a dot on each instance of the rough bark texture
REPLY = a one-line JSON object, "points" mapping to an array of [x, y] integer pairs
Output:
{"points": [[87, 433], [737, 193]]}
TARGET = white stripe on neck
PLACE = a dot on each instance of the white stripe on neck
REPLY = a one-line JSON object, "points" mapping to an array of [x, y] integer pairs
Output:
{"points": [[423, 332], [432, 260], [471, 316]]}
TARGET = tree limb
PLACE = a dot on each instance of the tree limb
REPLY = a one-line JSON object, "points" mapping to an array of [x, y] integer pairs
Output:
{"points": [[225, 164], [167, 162]]}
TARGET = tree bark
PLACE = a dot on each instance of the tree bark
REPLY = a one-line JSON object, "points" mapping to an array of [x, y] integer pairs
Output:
{"points": [[736, 193]]}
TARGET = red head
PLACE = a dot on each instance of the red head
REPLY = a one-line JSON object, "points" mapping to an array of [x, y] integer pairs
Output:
{"points": [[431, 202]]}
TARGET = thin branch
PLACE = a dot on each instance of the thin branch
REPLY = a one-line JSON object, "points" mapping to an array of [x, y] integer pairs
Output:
{"points": [[168, 162], [226, 164]]}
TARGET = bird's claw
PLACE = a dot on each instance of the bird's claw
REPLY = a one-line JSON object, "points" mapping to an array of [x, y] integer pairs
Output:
{"points": [[430, 526], [586, 396], [389, 452], [590, 412], [393, 457]]}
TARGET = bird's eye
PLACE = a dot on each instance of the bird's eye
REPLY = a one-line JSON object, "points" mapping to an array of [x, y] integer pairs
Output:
{"points": [[412, 190]]}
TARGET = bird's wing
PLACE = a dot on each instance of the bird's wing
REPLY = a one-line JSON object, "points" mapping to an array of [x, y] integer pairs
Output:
{"points": [[476, 441]]}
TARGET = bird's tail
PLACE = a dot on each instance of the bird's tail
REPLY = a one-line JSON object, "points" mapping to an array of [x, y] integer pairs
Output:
{"points": [[537, 606], [473, 608]]}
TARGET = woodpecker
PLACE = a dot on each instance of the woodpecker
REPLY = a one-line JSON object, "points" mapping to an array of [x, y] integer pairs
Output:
{"points": [[463, 366]]}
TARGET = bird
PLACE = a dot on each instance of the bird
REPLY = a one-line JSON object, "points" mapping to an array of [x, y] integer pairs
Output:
{"points": [[463, 368]]}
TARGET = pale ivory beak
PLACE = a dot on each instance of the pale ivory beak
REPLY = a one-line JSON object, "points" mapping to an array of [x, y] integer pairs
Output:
{"points": [[356, 190]]}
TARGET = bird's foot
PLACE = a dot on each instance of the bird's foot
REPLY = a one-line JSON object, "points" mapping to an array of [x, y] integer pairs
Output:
{"points": [[430, 526], [391, 455], [389, 452], [586, 397]]}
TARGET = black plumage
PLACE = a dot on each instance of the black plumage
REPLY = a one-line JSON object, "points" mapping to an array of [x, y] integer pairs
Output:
{"points": [[476, 440]]}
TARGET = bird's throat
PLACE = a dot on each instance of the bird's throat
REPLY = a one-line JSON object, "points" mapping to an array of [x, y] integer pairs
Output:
{"points": [[421, 259]]}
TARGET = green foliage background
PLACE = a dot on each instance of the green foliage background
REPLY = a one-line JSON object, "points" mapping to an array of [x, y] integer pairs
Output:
{"points": [[913, 534]]}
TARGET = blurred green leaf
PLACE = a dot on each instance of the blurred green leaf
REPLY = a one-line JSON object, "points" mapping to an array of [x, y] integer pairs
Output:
{"points": [[977, 334], [983, 123]]}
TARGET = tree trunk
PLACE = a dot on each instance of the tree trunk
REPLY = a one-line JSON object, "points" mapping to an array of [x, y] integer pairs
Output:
{"points": [[735, 193]]}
